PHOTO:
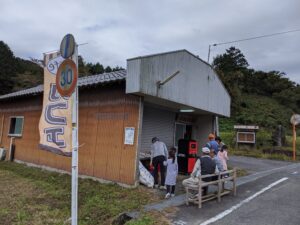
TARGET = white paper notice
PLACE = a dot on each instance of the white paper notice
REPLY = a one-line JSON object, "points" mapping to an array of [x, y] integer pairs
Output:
{"points": [[129, 136]]}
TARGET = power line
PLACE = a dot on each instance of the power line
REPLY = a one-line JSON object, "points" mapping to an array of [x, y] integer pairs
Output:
{"points": [[257, 37], [251, 38]]}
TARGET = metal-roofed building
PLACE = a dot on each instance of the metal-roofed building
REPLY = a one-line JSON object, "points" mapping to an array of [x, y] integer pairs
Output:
{"points": [[171, 95]]}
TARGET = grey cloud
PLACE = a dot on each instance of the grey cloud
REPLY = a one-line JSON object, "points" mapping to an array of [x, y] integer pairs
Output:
{"points": [[117, 30]]}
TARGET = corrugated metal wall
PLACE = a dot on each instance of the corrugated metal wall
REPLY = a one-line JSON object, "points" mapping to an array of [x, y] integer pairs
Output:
{"points": [[159, 123], [104, 112], [196, 85]]}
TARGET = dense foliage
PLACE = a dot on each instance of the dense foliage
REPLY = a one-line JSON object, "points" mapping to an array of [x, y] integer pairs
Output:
{"points": [[17, 74], [86, 69], [262, 98], [7, 68]]}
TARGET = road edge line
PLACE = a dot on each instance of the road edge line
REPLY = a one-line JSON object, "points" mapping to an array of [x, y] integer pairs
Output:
{"points": [[231, 209]]}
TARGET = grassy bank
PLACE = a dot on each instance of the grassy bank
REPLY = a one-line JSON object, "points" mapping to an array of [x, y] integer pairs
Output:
{"points": [[33, 196]]}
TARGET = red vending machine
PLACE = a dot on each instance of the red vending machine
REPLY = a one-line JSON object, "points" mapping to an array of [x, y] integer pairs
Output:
{"points": [[187, 155]]}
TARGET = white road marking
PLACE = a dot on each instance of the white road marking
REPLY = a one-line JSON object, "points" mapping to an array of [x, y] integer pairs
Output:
{"points": [[228, 211], [179, 222], [294, 172]]}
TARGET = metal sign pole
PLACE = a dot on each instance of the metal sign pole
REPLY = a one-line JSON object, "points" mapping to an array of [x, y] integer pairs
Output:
{"points": [[74, 209], [294, 141]]}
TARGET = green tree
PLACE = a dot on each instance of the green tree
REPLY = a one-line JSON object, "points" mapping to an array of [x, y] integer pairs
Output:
{"points": [[108, 69], [258, 97], [98, 68], [82, 68], [231, 67], [232, 60], [7, 69]]}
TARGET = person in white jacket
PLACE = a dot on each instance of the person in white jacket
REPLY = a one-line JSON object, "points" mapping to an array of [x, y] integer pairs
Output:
{"points": [[172, 172]]}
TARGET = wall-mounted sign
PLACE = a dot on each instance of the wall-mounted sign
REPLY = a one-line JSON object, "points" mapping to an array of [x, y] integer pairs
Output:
{"points": [[66, 78], [67, 46], [129, 136]]}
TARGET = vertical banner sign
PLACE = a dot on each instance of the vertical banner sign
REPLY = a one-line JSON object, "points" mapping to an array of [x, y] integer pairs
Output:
{"points": [[56, 120]]}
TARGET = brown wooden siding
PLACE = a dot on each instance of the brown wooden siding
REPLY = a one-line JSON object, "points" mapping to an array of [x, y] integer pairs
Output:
{"points": [[104, 112]]}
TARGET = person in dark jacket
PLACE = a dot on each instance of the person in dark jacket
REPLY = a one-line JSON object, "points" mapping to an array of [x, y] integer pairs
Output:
{"points": [[204, 165]]}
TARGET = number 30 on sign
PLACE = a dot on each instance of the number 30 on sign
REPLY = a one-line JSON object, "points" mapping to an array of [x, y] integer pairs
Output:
{"points": [[66, 78]]}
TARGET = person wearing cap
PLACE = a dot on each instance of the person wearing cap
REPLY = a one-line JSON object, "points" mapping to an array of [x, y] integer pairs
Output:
{"points": [[212, 144], [159, 154], [203, 166]]}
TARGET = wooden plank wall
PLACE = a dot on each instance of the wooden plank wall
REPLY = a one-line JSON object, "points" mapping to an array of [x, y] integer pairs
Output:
{"points": [[104, 112]]}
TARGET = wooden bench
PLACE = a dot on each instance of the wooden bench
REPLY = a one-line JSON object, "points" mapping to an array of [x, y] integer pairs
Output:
{"points": [[194, 192]]}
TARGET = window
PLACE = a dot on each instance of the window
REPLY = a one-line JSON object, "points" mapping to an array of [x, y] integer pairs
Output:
{"points": [[16, 126]]}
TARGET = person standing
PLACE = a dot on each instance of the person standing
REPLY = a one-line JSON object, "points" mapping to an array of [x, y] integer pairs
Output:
{"points": [[219, 141], [172, 172], [212, 144], [223, 156], [218, 161], [159, 154]]}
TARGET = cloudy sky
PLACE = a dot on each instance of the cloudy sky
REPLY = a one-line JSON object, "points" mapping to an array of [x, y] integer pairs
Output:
{"points": [[118, 30]]}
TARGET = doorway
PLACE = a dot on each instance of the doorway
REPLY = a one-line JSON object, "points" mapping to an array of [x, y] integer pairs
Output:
{"points": [[182, 131]]}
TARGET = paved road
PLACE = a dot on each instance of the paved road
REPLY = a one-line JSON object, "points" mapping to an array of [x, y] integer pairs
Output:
{"points": [[271, 195], [254, 165]]}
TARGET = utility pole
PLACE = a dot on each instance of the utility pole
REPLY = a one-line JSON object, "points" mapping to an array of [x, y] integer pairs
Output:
{"points": [[209, 46]]}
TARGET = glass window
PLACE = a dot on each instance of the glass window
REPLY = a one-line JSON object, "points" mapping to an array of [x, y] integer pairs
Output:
{"points": [[16, 126]]}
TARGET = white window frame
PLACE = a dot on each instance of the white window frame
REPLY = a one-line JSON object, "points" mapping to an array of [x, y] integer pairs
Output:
{"points": [[16, 135], [244, 132]]}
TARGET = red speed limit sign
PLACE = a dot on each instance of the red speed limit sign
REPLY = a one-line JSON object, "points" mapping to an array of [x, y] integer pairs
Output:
{"points": [[66, 78]]}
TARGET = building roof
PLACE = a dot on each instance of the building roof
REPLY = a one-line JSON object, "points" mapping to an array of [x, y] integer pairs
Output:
{"points": [[171, 52], [82, 82]]}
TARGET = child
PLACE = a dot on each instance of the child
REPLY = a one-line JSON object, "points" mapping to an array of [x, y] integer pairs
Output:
{"points": [[222, 154], [172, 171]]}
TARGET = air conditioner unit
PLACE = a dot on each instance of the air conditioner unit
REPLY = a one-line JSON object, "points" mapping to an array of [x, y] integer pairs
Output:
{"points": [[2, 153]]}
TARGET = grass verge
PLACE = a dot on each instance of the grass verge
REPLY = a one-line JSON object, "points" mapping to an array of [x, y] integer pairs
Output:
{"points": [[34, 196]]}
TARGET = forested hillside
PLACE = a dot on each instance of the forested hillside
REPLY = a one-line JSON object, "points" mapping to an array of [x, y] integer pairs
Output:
{"points": [[261, 98], [17, 74]]}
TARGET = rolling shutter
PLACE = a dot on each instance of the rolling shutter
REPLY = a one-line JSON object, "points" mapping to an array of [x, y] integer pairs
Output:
{"points": [[157, 123]]}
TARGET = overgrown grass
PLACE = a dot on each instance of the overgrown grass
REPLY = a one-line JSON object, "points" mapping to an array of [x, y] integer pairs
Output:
{"points": [[33, 196]]}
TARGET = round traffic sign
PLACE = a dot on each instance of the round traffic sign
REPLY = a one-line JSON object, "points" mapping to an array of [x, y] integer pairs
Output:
{"points": [[66, 78], [295, 119], [67, 46]]}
